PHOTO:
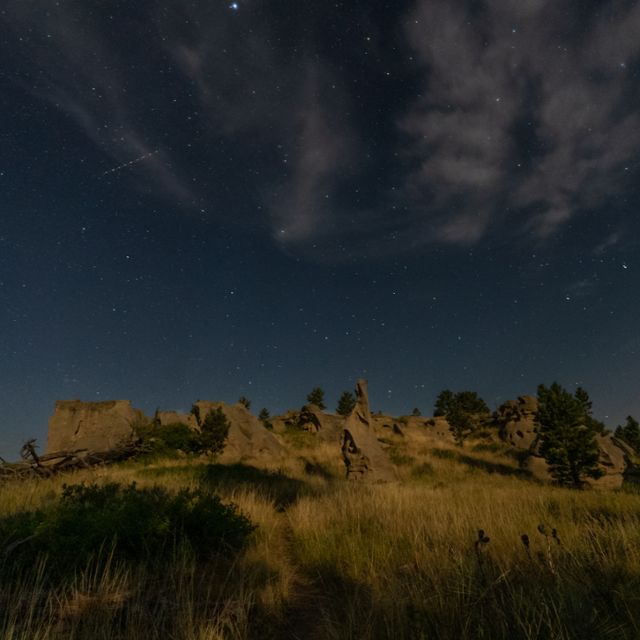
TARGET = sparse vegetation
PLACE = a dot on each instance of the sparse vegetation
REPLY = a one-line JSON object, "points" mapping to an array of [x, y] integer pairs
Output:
{"points": [[331, 559], [245, 402]]}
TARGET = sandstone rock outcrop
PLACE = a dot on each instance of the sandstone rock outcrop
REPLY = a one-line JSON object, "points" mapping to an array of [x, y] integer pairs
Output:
{"points": [[97, 426], [517, 422], [361, 451], [248, 437]]}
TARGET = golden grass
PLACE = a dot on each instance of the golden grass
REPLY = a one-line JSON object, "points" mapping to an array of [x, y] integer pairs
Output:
{"points": [[346, 561]]}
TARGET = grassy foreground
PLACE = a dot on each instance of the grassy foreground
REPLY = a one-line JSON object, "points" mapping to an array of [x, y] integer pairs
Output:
{"points": [[463, 547]]}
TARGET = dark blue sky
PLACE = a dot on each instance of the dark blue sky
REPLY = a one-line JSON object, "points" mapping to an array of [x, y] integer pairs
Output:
{"points": [[201, 201]]}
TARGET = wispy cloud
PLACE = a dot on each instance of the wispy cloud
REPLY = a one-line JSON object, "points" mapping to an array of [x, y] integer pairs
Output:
{"points": [[524, 114], [524, 109]]}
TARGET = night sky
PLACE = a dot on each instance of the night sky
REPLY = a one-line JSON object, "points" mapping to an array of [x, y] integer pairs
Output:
{"points": [[205, 199]]}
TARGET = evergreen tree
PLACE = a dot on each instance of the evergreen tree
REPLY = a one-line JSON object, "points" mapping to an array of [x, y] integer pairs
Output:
{"points": [[464, 412], [443, 402], [264, 417], [416, 412], [214, 431], [585, 402], [346, 403], [467, 401], [630, 433], [245, 402], [317, 397], [461, 424], [568, 441]]}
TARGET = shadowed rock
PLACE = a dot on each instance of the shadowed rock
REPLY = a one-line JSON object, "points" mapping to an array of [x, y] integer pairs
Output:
{"points": [[97, 426], [517, 422], [361, 451]]}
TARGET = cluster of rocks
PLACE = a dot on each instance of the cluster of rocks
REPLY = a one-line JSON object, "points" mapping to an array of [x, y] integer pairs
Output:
{"points": [[360, 439], [516, 422], [103, 426]]}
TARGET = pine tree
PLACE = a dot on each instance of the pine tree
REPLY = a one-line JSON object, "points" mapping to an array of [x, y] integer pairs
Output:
{"points": [[245, 402], [443, 402], [630, 433], [214, 431], [568, 441], [461, 424], [416, 412], [346, 403], [317, 397], [264, 416]]}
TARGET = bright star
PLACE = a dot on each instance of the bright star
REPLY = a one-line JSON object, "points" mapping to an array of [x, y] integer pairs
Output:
{"points": [[234, 6]]}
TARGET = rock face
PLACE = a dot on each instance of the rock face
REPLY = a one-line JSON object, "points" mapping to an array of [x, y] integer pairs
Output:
{"points": [[248, 438], [615, 461], [327, 427], [517, 422], [97, 426], [361, 451]]}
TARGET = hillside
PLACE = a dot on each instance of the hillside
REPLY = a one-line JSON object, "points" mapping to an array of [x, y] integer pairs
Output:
{"points": [[464, 542]]}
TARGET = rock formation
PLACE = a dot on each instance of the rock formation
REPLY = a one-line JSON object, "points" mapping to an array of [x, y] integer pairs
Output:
{"points": [[311, 418], [361, 451], [248, 438], [516, 420], [97, 426]]}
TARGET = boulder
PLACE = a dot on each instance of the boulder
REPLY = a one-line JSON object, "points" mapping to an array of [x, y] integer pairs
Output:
{"points": [[516, 420], [97, 426], [615, 460], [361, 451], [248, 437]]}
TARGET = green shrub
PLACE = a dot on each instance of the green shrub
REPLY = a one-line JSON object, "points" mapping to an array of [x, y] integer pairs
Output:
{"points": [[172, 437], [136, 523]]}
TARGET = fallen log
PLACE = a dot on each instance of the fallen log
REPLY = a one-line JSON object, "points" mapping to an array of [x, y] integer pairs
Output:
{"points": [[35, 466]]}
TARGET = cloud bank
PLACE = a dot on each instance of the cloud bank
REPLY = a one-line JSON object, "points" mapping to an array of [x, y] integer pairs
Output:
{"points": [[507, 117]]}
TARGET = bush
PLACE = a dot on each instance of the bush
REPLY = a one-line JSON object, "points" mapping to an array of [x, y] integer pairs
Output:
{"points": [[170, 438], [135, 523]]}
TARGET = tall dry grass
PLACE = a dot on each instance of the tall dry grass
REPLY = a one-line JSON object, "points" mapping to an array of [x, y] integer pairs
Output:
{"points": [[331, 560]]}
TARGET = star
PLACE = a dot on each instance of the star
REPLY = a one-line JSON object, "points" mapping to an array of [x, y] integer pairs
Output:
{"points": [[234, 6]]}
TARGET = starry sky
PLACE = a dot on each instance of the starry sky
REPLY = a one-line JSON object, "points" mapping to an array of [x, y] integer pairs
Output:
{"points": [[208, 199]]}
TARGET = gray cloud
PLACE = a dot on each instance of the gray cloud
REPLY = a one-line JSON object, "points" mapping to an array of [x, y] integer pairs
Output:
{"points": [[483, 75], [524, 115]]}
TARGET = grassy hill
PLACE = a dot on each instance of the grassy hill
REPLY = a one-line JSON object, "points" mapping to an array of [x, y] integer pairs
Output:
{"points": [[464, 546]]}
